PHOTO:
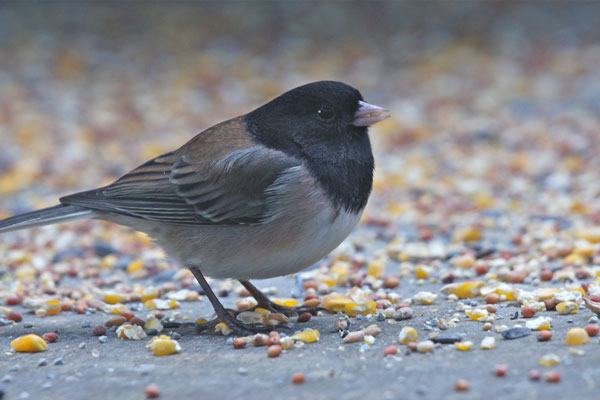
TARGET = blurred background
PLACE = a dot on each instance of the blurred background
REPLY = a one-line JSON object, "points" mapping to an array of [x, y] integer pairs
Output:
{"points": [[495, 103]]}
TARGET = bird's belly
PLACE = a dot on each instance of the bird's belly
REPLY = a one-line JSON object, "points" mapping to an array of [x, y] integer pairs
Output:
{"points": [[283, 246]]}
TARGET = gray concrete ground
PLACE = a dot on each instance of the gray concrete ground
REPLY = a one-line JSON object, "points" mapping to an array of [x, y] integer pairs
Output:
{"points": [[209, 368]]}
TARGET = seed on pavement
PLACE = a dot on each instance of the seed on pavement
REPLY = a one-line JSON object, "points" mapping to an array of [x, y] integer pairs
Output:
{"points": [[592, 330], [14, 316], [528, 312], [426, 346], [501, 370], [274, 351], [408, 334], [577, 336], [29, 344], [464, 346], [50, 337], [534, 375], [552, 377], [298, 378], [549, 360], [544, 336], [461, 385], [390, 350], [152, 392]]}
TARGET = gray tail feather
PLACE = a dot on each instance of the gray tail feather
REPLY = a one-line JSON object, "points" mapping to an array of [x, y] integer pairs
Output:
{"points": [[45, 216]]}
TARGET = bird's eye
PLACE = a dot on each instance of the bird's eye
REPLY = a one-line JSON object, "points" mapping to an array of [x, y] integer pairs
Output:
{"points": [[326, 112]]}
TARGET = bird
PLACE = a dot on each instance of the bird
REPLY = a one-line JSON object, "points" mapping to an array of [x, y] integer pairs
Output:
{"points": [[261, 195]]}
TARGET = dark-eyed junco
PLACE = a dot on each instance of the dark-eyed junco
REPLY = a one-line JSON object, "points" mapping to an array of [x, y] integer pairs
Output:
{"points": [[261, 195]]}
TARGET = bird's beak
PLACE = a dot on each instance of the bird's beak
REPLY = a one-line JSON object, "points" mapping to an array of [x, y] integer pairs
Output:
{"points": [[369, 114]]}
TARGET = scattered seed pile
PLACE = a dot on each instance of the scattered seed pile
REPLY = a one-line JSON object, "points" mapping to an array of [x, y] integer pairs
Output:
{"points": [[485, 209]]}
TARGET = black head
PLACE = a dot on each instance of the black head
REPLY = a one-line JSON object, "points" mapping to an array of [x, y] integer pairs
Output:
{"points": [[317, 112], [320, 123]]}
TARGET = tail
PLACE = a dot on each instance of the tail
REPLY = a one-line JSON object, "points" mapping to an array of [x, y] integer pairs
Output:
{"points": [[45, 216]]}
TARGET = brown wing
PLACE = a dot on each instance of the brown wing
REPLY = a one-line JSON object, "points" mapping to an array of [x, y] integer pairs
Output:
{"points": [[219, 177]]}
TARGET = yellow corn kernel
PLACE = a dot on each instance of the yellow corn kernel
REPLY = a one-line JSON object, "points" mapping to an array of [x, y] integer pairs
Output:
{"points": [[336, 302], [135, 266], [29, 344], [109, 261], [408, 334], [286, 302], [476, 314], [149, 294], [464, 290], [366, 308], [549, 360], [307, 336], [114, 298], [262, 311], [591, 235], [340, 270], [53, 307], [223, 329], [463, 346], [376, 268], [575, 259], [567, 307], [472, 234], [163, 345], [421, 272], [577, 336], [465, 261]]}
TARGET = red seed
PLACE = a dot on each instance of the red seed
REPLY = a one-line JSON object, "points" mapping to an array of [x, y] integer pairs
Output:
{"points": [[391, 282], [80, 308], [117, 321], [239, 343], [14, 300], [14, 316], [412, 346], [127, 315], [550, 304], [553, 377], [461, 385], [528, 312], [136, 321], [491, 309], [312, 302], [535, 375], [481, 269], [310, 285], [99, 331], [518, 277], [492, 298], [501, 370], [592, 330], [274, 351], [298, 378], [544, 336], [304, 317], [546, 275], [582, 274], [50, 337], [391, 350], [152, 391], [260, 339]]}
